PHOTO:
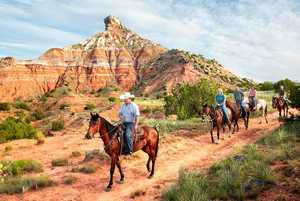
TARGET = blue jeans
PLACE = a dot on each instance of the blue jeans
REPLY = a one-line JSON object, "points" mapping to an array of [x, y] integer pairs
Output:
{"points": [[127, 136], [224, 110]]}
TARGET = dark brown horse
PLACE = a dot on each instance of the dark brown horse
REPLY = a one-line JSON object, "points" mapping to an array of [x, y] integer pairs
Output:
{"points": [[281, 105], [147, 141], [237, 114], [217, 120]]}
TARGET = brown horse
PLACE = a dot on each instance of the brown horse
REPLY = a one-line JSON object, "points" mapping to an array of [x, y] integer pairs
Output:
{"points": [[237, 114], [217, 120], [147, 141], [281, 105]]}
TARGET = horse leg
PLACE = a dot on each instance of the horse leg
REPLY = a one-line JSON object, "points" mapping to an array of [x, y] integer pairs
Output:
{"points": [[211, 135], [218, 134], [153, 158], [120, 170], [112, 170], [148, 163]]}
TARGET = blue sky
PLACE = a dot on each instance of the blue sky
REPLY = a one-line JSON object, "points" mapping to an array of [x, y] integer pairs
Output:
{"points": [[256, 39]]}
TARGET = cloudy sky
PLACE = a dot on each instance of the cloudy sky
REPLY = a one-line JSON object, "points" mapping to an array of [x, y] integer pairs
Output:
{"points": [[258, 39]]}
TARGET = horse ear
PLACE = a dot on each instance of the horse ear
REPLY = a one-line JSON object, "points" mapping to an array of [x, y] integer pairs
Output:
{"points": [[97, 115], [205, 105], [91, 114]]}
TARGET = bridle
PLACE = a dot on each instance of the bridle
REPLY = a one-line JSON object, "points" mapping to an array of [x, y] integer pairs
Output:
{"points": [[109, 132]]}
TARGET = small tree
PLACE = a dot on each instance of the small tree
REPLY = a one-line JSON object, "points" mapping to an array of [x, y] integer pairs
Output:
{"points": [[266, 86], [286, 83], [295, 96], [186, 99]]}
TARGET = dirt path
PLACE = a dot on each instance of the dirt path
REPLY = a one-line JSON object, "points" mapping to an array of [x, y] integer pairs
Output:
{"points": [[182, 150]]}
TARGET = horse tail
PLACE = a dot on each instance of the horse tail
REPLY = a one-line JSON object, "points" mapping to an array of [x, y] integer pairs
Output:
{"points": [[266, 110], [157, 141]]}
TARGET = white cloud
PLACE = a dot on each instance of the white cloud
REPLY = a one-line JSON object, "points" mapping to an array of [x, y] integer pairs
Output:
{"points": [[257, 39]]}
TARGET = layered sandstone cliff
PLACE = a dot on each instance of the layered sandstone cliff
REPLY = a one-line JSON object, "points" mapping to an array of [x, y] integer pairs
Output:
{"points": [[112, 57], [116, 56]]}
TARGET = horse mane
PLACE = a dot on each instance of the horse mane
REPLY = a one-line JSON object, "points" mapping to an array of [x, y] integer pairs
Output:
{"points": [[109, 127]]}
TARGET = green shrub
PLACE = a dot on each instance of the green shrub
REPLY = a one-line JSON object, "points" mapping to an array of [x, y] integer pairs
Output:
{"points": [[13, 128], [266, 86], [87, 169], [90, 106], [59, 162], [19, 167], [295, 96], [43, 98], [58, 92], [186, 100], [112, 99], [22, 105], [4, 106], [57, 125], [37, 115], [69, 179], [189, 187], [13, 185]]}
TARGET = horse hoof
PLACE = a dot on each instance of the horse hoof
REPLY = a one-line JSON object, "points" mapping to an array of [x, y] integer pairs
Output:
{"points": [[217, 142], [107, 189], [150, 176]]}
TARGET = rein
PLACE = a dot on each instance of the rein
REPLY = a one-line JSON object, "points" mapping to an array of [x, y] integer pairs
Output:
{"points": [[109, 133]]}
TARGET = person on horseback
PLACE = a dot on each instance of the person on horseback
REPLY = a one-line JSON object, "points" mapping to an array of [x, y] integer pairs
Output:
{"points": [[282, 94], [239, 97], [252, 98], [129, 113], [221, 100]]}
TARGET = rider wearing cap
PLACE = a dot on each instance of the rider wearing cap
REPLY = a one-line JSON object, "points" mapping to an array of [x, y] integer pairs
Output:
{"points": [[239, 98], [129, 113], [221, 99]]}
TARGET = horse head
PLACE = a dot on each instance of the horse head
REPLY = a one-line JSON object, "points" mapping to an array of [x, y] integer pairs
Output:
{"points": [[274, 101], [206, 109], [94, 125]]}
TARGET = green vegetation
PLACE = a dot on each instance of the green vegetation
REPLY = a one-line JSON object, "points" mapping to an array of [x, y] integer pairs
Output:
{"points": [[11, 185], [106, 90], [90, 106], [37, 115], [19, 167], [266, 86], [87, 169], [69, 179], [59, 162], [76, 154], [57, 125], [243, 176], [112, 99], [166, 126], [16, 128], [295, 96], [58, 92], [186, 100], [22, 105], [4, 106]]}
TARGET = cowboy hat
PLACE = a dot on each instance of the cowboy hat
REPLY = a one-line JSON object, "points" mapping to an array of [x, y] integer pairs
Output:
{"points": [[126, 95]]}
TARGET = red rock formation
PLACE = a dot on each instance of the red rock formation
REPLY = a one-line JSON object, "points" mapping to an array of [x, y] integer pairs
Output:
{"points": [[116, 56], [108, 58]]}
